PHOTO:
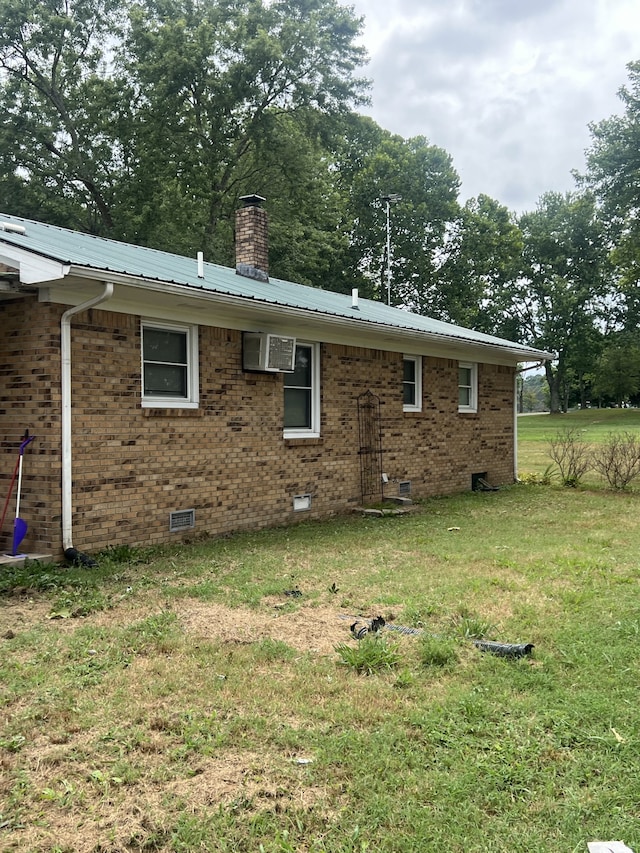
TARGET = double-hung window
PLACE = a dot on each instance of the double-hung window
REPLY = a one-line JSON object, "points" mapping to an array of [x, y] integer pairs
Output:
{"points": [[467, 387], [302, 394], [169, 365], [412, 383]]}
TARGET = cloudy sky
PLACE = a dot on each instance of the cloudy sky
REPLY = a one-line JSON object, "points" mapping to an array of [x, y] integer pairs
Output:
{"points": [[506, 87]]}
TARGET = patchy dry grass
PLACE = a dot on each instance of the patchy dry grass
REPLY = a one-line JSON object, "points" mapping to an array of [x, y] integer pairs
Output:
{"points": [[196, 700]]}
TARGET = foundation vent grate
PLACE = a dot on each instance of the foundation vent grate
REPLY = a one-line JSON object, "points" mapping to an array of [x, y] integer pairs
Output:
{"points": [[404, 488], [182, 519], [301, 503]]}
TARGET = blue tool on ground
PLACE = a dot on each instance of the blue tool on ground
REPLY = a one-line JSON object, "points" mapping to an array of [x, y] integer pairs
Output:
{"points": [[19, 524]]}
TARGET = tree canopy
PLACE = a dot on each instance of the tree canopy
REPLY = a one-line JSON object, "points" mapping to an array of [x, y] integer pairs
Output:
{"points": [[563, 293], [613, 175], [145, 120]]}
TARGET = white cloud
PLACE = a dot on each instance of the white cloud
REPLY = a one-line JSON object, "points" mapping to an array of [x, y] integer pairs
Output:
{"points": [[507, 87]]}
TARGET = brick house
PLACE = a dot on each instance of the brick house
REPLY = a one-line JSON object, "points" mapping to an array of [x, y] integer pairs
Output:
{"points": [[170, 397]]}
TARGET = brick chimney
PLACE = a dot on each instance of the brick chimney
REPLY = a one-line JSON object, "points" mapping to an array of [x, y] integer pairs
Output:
{"points": [[252, 244]]}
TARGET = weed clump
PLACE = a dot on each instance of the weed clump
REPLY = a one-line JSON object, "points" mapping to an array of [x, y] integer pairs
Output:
{"points": [[473, 628], [468, 626], [32, 575], [371, 654], [534, 478], [417, 615], [438, 651]]}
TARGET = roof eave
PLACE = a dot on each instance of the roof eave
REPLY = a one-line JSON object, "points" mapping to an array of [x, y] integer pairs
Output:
{"points": [[354, 324], [34, 267]]}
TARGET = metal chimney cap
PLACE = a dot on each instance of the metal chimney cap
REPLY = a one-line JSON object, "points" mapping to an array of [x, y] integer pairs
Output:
{"points": [[252, 200]]}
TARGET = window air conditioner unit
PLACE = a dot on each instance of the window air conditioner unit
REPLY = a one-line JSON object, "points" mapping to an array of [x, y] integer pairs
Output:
{"points": [[270, 353]]}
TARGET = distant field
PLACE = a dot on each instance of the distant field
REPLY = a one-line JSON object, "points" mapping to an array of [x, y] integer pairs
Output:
{"points": [[536, 431]]}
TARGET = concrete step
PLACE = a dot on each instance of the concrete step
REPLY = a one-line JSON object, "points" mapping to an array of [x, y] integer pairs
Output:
{"points": [[19, 559]]}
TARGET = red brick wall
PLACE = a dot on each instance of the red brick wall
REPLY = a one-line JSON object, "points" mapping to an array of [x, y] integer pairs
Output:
{"points": [[228, 459]]}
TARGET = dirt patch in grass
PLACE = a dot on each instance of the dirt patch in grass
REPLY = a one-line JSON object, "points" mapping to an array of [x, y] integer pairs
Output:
{"points": [[144, 816], [253, 779], [20, 613], [308, 629]]}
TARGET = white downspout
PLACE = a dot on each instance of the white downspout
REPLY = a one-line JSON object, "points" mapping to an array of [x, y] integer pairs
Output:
{"points": [[515, 426], [65, 390]]}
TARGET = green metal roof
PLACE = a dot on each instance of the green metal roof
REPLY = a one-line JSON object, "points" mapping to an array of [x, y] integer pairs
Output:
{"points": [[104, 257]]}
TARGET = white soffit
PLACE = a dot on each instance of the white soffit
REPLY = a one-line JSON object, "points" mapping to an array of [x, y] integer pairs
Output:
{"points": [[34, 269]]}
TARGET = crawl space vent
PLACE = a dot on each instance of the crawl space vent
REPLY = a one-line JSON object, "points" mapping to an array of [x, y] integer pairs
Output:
{"points": [[404, 488], [301, 503], [182, 519]]}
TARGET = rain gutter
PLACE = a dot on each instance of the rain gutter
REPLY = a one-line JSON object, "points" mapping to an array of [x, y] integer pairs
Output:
{"points": [[336, 320]]}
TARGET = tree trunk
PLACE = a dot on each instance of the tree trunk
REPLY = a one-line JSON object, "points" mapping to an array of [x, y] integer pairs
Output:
{"points": [[582, 385], [553, 380]]}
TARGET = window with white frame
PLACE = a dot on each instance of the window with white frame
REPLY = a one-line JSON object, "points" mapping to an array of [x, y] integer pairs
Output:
{"points": [[302, 394], [169, 365], [412, 383], [467, 387]]}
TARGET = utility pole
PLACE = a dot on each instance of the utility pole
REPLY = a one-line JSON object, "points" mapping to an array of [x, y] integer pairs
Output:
{"points": [[389, 200]]}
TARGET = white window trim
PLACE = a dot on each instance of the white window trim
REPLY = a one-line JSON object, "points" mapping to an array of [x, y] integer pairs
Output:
{"points": [[192, 400], [417, 406], [473, 405], [314, 431]]}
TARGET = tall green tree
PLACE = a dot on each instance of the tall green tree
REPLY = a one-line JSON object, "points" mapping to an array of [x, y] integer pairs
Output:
{"points": [[617, 373], [483, 264], [146, 120], [57, 109], [214, 86], [566, 289], [373, 164], [613, 175], [308, 222], [582, 363]]}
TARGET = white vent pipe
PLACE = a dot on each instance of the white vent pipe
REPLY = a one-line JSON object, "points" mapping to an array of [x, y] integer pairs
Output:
{"points": [[13, 228]]}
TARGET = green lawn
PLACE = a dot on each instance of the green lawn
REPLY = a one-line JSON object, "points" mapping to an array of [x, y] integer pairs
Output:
{"points": [[193, 699]]}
